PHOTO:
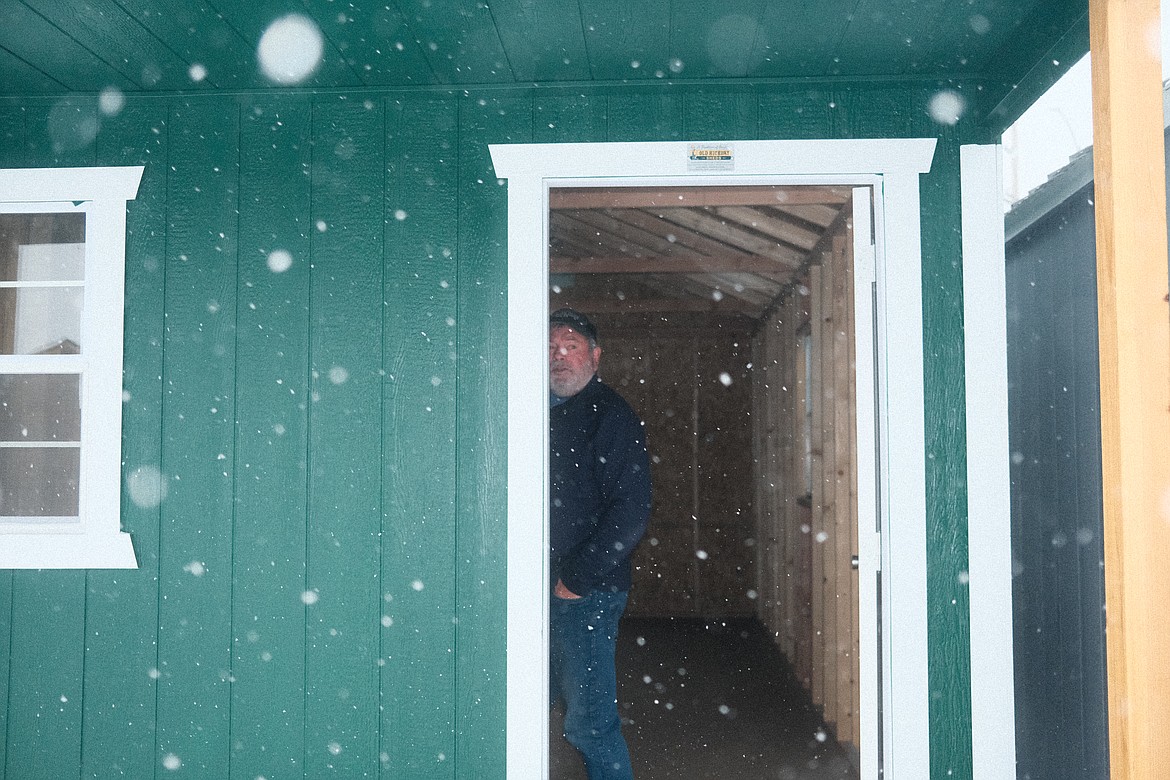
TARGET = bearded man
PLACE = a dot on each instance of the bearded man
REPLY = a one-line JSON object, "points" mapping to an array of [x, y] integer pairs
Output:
{"points": [[600, 505]]}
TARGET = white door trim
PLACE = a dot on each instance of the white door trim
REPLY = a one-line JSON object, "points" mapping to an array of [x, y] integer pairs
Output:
{"points": [[989, 528], [530, 170]]}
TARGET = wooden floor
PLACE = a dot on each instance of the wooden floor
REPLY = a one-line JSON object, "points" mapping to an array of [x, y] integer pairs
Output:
{"points": [[711, 700]]}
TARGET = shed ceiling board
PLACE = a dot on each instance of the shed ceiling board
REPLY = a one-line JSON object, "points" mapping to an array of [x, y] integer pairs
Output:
{"points": [[723, 38], [374, 41], [620, 33], [149, 45], [44, 46], [459, 40], [810, 53], [199, 35], [557, 54]]}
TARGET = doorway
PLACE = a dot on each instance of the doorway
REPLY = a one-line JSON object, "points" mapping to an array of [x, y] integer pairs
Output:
{"points": [[890, 168], [727, 321]]}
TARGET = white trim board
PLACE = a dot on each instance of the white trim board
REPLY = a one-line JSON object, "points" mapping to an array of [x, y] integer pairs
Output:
{"points": [[892, 166], [94, 539], [989, 528]]}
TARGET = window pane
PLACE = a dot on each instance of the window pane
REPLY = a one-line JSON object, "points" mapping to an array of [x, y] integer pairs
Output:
{"points": [[42, 247], [39, 482], [40, 407], [40, 320]]}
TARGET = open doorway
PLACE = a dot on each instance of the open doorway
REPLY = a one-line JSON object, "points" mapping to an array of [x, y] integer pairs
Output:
{"points": [[728, 321]]}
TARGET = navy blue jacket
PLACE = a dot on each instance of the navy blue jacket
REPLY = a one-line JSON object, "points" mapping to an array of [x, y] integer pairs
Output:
{"points": [[599, 489]]}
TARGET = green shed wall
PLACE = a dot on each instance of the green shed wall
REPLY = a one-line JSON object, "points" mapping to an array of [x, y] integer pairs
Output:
{"points": [[339, 429]]}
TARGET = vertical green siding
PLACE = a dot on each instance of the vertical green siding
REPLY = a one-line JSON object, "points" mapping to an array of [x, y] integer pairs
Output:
{"points": [[268, 545], [481, 463], [345, 448], [948, 606], [198, 460], [321, 592], [418, 542]]}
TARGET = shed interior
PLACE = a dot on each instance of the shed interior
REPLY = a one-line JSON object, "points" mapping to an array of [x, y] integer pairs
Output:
{"points": [[725, 318]]}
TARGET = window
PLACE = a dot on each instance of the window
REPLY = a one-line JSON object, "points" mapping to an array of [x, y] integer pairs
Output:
{"points": [[62, 259]]}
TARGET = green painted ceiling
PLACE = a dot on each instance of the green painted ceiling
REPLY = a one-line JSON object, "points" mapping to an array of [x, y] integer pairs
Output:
{"points": [[58, 46]]}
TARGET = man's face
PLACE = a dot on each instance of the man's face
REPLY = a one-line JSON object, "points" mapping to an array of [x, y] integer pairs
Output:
{"points": [[571, 361]]}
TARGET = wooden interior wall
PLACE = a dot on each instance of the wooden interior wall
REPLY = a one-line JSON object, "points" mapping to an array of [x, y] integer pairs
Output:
{"points": [[692, 389], [806, 487]]}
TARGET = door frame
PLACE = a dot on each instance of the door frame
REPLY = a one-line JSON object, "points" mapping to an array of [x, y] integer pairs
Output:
{"points": [[892, 167]]}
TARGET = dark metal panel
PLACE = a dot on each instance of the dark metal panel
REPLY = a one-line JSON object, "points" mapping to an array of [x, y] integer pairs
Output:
{"points": [[1058, 588]]}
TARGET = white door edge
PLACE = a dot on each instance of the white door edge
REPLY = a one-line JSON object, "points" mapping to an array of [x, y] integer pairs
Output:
{"points": [[530, 170]]}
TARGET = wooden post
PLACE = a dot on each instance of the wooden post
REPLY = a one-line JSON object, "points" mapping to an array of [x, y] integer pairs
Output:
{"points": [[1134, 327]]}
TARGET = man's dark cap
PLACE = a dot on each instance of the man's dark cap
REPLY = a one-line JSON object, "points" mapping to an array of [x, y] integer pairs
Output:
{"points": [[575, 320]]}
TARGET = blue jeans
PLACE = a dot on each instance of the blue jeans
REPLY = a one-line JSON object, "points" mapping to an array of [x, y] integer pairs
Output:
{"points": [[582, 641]]}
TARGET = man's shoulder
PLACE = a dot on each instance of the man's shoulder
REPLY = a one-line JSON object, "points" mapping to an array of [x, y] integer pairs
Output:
{"points": [[608, 400]]}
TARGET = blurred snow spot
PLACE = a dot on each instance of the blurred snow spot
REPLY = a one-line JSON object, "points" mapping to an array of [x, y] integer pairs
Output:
{"points": [[1059, 539], [641, 641], [279, 261], [1017, 458], [436, 381], [399, 215], [196, 568], [805, 528], [701, 555], [338, 375], [821, 537], [290, 49], [751, 594], [820, 735], [126, 396], [717, 295], [646, 679], [417, 585], [278, 429], [146, 487], [111, 100], [947, 106], [964, 577], [266, 656], [310, 597], [676, 65], [334, 748], [725, 44], [635, 64], [322, 226], [979, 23], [171, 761], [681, 672], [725, 379], [73, 124], [197, 72], [153, 673], [387, 621], [724, 709]]}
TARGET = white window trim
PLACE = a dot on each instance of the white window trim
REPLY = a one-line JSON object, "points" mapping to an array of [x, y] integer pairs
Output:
{"points": [[531, 169], [989, 526], [96, 541]]}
